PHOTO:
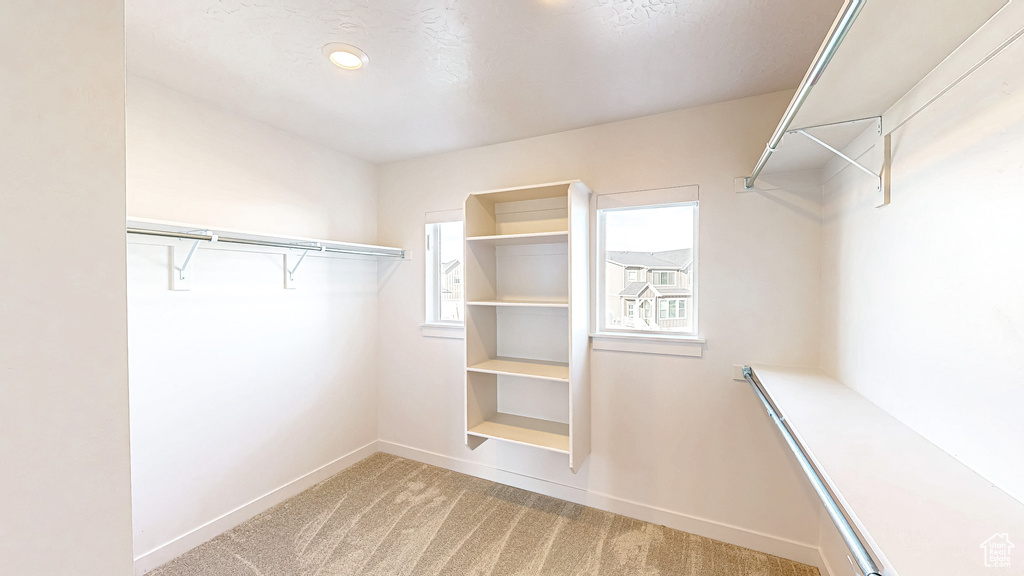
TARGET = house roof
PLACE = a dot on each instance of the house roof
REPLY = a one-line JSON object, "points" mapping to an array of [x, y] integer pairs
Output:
{"points": [[673, 259], [633, 289], [636, 289]]}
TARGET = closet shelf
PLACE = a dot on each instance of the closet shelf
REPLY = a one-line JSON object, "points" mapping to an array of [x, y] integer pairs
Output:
{"points": [[855, 78], [522, 239], [197, 233], [918, 509], [557, 371], [520, 303], [523, 430]]}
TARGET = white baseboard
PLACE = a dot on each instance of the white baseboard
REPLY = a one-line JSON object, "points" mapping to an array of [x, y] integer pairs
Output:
{"points": [[171, 550], [824, 567], [785, 548]]}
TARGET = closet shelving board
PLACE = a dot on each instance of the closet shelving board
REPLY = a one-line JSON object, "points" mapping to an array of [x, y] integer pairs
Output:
{"points": [[522, 239], [857, 101], [520, 303], [555, 371], [152, 227], [527, 311], [890, 48]]}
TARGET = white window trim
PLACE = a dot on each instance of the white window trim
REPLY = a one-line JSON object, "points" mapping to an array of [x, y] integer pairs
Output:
{"points": [[643, 341], [432, 326], [449, 330]]}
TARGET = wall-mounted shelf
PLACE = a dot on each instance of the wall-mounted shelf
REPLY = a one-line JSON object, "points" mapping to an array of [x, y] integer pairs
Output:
{"points": [[916, 508], [186, 238], [557, 371], [524, 430], [527, 311], [520, 303], [522, 239], [893, 46]]}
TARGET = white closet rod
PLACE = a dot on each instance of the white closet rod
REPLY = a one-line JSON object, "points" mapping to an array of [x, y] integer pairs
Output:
{"points": [[836, 36]]}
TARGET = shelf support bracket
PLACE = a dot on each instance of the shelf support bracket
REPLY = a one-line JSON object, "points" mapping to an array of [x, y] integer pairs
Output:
{"points": [[883, 177], [180, 279], [289, 273], [840, 154], [184, 266]]}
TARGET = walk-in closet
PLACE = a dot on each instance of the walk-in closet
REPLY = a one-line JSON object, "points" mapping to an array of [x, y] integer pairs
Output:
{"points": [[513, 288]]}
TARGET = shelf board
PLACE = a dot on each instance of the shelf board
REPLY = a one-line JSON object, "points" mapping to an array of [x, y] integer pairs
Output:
{"points": [[844, 434], [557, 371], [521, 303], [521, 239], [522, 430], [890, 48]]}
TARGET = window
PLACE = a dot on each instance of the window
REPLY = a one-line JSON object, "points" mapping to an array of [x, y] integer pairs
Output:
{"points": [[635, 238], [444, 273], [671, 309], [664, 278]]}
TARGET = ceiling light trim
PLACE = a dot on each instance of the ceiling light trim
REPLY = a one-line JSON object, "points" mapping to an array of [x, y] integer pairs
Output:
{"points": [[353, 58]]}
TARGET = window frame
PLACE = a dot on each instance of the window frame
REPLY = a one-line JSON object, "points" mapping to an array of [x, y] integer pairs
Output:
{"points": [[679, 196], [434, 276]]}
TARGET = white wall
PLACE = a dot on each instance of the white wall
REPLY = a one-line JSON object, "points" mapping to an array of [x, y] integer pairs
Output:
{"points": [[239, 386], [189, 160], [65, 500], [924, 298], [669, 432]]}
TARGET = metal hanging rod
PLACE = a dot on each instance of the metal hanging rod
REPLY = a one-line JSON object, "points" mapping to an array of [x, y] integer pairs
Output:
{"points": [[836, 36], [858, 550], [358, 249]]}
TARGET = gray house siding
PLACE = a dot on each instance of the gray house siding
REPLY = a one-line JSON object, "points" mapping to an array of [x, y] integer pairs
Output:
{"points": [[646, 295]]}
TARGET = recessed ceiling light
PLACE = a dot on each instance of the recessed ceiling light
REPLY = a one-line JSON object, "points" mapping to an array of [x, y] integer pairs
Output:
{"points": [[345, 56]]}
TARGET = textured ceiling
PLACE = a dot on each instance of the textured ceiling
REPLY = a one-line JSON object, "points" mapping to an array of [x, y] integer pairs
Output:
{"points": [[451, 74]]}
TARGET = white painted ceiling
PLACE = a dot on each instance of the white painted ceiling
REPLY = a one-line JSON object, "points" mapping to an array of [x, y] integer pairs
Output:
{"points": [[451, 74]]}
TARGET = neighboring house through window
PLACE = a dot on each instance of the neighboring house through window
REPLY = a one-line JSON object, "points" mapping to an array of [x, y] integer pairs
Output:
{"points": [[647, 245]]}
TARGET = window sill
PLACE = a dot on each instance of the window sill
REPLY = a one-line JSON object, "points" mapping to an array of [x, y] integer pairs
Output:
{"points": [[456, 331], [690, 346]]}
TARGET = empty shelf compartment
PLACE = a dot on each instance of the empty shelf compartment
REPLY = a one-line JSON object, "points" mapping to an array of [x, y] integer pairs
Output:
{"points": [[520, 429]]}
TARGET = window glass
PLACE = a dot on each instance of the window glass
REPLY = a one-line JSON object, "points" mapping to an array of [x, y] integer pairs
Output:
{"points": [[656, 242], [444, 272]]}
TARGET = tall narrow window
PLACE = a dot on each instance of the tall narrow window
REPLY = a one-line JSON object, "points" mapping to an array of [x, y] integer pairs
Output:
{"points": [[658, 241], [444, 273]]}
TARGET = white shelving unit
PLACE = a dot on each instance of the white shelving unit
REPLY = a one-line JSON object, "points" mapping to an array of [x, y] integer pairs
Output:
{"points": [[527, 308]]}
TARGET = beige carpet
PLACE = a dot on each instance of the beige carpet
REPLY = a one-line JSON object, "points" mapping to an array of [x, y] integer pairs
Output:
{"points": [[391, 516]]}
